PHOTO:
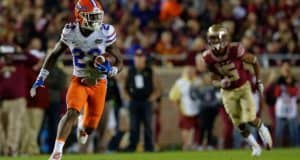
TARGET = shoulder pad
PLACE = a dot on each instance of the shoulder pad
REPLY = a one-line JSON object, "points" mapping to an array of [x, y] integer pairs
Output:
{"points": [[70, 26], [237, 49], [208, 57], [110, 33], [66, 34]]}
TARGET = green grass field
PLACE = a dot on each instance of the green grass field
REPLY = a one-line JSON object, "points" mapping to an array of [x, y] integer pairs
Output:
{"points": [[275, 154]]}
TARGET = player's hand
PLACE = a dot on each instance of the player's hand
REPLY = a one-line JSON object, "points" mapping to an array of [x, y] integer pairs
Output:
{"points": [[113, 72], [260, 86], [103, 67], [106, 68], [39, 82], [36, 84], [225, 82]]}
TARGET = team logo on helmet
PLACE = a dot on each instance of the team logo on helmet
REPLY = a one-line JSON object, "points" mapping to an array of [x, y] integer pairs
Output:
{"points": [[89, 14], [217, 38]]}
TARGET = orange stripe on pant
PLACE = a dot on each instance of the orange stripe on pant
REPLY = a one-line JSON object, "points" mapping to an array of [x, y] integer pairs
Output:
{"points": [[92, 98]]}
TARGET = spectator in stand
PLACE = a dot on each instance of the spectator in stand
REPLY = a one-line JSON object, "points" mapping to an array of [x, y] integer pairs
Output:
{"points": [[13, 99], [36, 106], [181, 95], [143, 12], [198, 46], [169, 10], [286, 106], [165, 46], [34, 18]]}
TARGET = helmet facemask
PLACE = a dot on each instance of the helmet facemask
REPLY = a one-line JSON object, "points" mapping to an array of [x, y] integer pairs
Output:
{"points": [[218, 39], [92, 20]]}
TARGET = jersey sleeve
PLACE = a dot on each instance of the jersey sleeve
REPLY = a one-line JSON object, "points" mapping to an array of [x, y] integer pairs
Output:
{"points": [[110, 34], [67, 33]]}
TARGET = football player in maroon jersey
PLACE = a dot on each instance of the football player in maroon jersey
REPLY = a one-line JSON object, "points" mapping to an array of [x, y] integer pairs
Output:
{"points": [[225, 59]]}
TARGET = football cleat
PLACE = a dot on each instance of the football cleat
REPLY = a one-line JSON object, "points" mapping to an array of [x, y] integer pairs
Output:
{"points": [[55, 156], [81, 134], [256, 151], [265, 136]]}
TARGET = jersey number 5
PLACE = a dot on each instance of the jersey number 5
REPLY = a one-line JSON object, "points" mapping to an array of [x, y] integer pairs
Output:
{"points": [[229, 70], [79, 56]]}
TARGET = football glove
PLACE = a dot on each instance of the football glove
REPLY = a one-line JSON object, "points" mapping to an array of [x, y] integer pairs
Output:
{"points": [[225, 82], [103, 67], [39, 82], [106, 68]]}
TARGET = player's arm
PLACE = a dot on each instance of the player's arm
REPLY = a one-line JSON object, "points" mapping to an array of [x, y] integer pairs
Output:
{"points": [[52, 57], [251, 59], [48, 63], [115, 52], [218, 81]]}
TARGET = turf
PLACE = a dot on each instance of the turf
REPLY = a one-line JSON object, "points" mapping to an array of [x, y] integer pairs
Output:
{"points": [[275, 154]]}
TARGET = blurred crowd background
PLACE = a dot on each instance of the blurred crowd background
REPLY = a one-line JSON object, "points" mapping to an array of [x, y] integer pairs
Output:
{"points": [[170, 33]]}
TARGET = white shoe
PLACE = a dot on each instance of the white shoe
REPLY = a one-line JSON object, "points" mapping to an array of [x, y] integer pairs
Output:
{"points": [[81, 135], [265, 136], [55, 156], [256, 151]]}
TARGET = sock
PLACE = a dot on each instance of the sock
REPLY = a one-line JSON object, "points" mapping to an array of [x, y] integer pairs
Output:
{"points": [[251, 140], [262, 126], [59, 145]]}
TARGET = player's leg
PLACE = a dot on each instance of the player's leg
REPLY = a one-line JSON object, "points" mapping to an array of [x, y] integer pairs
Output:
{"points": [[76, 98], [249, 115], [231, 100], [92, 111]]}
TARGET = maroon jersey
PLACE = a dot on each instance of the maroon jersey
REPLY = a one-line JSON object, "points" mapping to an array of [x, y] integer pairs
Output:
{"points": [[230, 65], [13, 83]]}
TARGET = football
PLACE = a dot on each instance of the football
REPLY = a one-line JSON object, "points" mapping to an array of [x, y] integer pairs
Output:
{"points": [[109, 57], [99, 59]]}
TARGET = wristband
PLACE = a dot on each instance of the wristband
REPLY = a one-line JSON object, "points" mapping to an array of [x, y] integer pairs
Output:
{"points": [[43, 74]]}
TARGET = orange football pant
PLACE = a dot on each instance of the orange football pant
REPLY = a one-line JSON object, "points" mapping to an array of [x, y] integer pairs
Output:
{"points": [[91, 98]]}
